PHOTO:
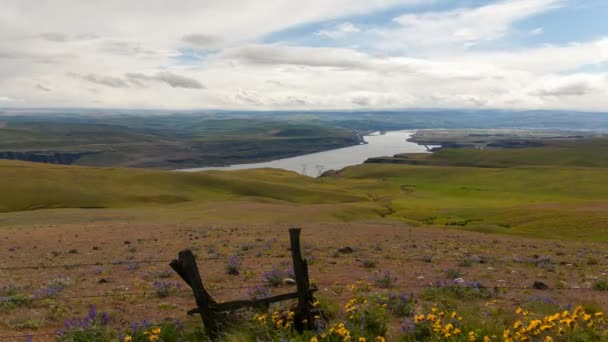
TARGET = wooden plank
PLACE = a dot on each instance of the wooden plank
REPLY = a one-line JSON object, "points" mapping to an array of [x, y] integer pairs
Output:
{"points": [[186, 267], [303, 317], [241, 304]]}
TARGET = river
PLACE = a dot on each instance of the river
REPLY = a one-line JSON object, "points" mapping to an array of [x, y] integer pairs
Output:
{"points": [[377, 145]]}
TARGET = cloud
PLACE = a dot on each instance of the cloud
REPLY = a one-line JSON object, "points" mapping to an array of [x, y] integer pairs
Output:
{"points": [[174, 80], [537, 31], [464, 26], [298, 55], [578, 85], [204, 41], [282, 55], [43, 88], [339, 31], [63, 37], [108, 81], [6, 99]]}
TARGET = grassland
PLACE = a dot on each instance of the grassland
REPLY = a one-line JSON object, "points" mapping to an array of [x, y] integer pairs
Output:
{"points": [[427, 224], [162, 142], [556, 191]]}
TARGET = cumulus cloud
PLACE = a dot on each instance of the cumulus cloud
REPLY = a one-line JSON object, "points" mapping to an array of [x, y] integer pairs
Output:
{"points": [[108, 81], [464, 26], [204, 41], [111, 53], [43, 88], [339, 31], [537, 31], [174, 80], [302, 56]]}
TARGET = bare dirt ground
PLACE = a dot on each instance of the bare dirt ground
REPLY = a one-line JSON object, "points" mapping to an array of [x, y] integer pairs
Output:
{"points": [[116, 262]]}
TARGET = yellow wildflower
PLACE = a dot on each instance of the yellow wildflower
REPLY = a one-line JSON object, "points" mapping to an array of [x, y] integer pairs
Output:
{"points": [[548, 339], [380, 339], [361, 339], [314, 339], [517, 325], [128, 338]]}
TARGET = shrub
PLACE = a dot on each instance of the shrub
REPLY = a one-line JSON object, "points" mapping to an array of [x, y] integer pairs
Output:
{"points": [[453, 274], [601, 285], [233, 267], [385, 280], [13, 301], [369, 263], [93, 327], [399, 304], [367, 317], [164, 288], [259, 292], [471, 290], [274, 277]]}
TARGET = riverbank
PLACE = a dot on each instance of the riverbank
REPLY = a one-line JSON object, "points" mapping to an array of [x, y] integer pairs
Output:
{"points": [[315, 164]]}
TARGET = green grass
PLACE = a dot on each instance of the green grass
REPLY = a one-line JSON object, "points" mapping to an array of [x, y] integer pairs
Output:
{"points": [[543, 201], [29, 186], [168, 142], [533, 201], [570, 153]]}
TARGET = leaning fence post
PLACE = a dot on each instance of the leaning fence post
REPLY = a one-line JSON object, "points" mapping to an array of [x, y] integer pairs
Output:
{"points": [[303, 319], [186, 267]]}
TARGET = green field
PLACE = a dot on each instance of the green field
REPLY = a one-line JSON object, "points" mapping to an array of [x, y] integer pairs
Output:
{"points": [[548, 192], [163, 142]]}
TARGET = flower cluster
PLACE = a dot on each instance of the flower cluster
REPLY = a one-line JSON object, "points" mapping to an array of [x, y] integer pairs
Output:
{"points": [[442, 325], [274, 277], [164, 288], [259, 292], [551, 327], [399, 304], [233, 267], [151, 335]]}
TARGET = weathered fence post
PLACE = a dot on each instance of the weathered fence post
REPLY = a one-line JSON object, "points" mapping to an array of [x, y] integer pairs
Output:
{"points": [[212, 312], [303, 319], [186, 267]]}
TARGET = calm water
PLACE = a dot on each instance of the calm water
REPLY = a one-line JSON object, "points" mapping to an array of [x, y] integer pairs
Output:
{"points": [[314, 164]]}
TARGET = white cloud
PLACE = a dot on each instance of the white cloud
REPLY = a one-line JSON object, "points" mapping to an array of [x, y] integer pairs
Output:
{"points": [[463, 27], [537, 31], [112, 53], [339, 31]]}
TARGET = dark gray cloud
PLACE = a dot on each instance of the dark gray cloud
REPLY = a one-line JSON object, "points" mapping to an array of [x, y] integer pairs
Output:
{"points": [[300, 56], [43, 88], [174, 80], [203, 40], [58, 37], [55, 37], [579, 88], [108, 81]]}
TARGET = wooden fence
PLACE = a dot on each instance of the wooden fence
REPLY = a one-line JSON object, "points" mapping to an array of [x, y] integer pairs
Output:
{"points": [[213, 314]]}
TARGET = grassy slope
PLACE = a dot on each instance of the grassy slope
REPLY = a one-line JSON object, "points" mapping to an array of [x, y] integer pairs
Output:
{"points": [[169, 142], [576, 153], [549, 199], [535, 201], [35, 186]]}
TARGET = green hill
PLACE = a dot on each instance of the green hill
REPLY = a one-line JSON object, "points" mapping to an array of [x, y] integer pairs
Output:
{"points": [[515, 192]]}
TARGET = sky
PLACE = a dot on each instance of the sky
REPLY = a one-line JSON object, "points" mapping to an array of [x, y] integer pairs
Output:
{"points": [[314, 54]]}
